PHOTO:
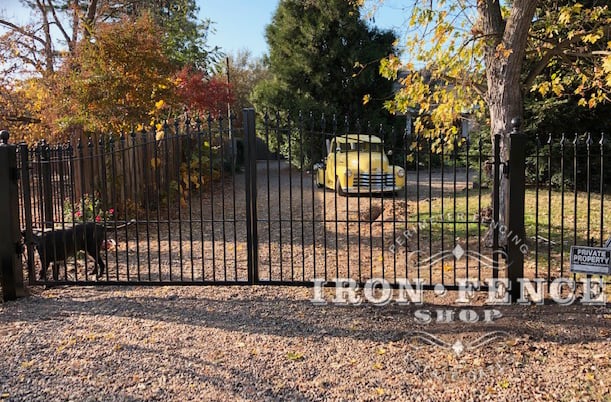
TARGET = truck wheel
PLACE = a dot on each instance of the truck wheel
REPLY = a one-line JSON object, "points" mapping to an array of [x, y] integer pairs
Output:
{"points": [[338, 187]]}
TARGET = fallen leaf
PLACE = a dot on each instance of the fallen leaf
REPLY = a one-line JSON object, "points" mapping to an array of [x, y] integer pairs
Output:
{"points": [[294, 356], [26, 365]]}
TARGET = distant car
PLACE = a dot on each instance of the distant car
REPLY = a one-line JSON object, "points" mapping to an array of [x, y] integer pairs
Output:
{"points": [[356, 163]]}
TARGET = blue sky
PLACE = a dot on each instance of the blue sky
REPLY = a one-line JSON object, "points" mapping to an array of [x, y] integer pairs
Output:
{"points": [[240, 24]]}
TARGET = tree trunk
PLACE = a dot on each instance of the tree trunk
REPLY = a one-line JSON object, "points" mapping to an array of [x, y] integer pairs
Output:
{"points": [[504, 56]]}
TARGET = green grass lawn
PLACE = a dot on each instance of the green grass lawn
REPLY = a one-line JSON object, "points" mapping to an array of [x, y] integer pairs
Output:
{"points": [[553, 222]]}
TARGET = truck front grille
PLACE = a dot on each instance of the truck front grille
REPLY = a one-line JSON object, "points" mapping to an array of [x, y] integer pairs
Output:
{"points": [[375, 180]]}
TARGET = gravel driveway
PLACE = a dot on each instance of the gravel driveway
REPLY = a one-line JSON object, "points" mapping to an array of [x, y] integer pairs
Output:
{"points": [[266, 343], [269, 344]]}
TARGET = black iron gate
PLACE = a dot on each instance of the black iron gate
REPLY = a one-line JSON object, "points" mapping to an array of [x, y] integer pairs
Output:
{"points": [[437, 228], [207, 202]]}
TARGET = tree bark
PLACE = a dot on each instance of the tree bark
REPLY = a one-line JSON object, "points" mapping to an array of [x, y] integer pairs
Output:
{"points": [[504, 57]]}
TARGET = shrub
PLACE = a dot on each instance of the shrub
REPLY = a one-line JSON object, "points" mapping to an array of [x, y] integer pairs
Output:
{"points": [[86, 209]]}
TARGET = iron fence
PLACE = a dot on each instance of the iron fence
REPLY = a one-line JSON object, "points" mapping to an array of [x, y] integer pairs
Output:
{"points": [[568, 189], [289, 201]]}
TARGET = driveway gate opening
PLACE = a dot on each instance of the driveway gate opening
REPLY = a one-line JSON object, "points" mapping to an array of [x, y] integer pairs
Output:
{"points": [[205, 202]]}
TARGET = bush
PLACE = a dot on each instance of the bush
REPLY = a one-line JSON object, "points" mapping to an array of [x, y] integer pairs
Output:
{"points": [[87, 209]]}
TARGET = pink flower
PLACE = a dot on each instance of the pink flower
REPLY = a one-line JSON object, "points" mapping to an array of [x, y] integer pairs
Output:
{"points": [[98, 218], [111, 211], [78, 214]]}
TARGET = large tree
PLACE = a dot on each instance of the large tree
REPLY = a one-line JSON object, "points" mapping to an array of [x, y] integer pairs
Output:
{"points": [[485, 55], [323, 57], [96, 64], [116, 79], [57, 26], [482, 56]]}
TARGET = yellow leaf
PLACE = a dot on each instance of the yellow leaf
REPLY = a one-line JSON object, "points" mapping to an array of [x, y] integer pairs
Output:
{"points": [[28, 364], [155, 162], [294, 356], [377, 366], [366, 99], [503, 384], [607, 64], [565, 16], [159, 104], [159, 136], [381, 351], [380, 391]]}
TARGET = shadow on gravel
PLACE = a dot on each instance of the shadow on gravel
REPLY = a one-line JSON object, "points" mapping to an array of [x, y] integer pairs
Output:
{"points": [[238, 309]]}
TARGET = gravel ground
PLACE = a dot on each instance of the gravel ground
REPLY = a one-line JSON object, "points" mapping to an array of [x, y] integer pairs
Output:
{"points": [[270, 343]]}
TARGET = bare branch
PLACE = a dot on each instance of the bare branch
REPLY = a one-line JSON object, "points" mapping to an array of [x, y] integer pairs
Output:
{"points": [[59, 25], [21, 31]]}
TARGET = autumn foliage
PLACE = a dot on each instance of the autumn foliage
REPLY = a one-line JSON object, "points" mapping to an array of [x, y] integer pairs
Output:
{"points": [[202, 94], [118, 77]]}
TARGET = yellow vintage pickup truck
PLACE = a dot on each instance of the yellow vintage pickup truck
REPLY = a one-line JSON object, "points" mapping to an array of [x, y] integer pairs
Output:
{"points": [[356, 163]]}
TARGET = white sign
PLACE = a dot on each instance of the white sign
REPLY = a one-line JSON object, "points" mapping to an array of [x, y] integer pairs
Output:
{"points": [[591, 260]]}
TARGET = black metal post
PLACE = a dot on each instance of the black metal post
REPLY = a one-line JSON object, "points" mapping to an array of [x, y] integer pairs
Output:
{"points": [[496, 172], [26, 192], [515, 208], [250, 139], [11, 274]]}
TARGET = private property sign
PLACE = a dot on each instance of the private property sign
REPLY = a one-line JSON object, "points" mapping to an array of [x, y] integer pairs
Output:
{"points": [[591, 260]]}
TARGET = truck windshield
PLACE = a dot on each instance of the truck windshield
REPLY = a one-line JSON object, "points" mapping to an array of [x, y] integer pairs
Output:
{"points": [[359, 146], [368, 147]]}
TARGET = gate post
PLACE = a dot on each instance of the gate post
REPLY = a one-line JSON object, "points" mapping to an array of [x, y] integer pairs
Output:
{"points": [[250, 144], [11, 273], [516, 234]]}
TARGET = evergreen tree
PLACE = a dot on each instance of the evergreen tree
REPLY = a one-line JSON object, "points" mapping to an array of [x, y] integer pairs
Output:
{"points": [[324, 58]]}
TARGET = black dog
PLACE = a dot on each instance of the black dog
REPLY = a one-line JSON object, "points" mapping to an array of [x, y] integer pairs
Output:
{"points": [[57, 245]]}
